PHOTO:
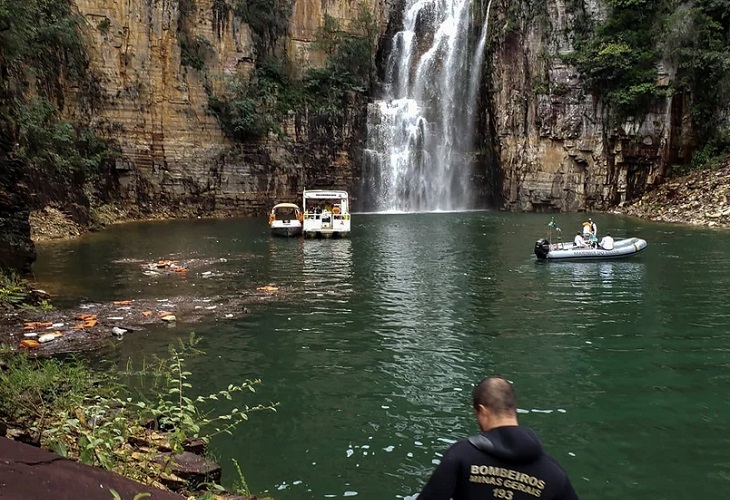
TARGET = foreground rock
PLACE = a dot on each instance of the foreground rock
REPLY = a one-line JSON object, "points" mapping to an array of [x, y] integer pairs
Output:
{"points": [[699, 198], [28, 472]]}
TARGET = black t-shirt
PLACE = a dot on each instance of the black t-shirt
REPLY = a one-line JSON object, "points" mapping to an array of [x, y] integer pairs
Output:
{"points": [[504, 463]]}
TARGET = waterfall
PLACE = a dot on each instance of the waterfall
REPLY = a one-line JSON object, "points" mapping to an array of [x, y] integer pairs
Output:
{"points": [[421, 132]]}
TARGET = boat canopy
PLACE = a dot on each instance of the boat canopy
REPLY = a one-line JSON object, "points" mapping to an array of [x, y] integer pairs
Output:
{"points": [[286, 205], [324, 194]]}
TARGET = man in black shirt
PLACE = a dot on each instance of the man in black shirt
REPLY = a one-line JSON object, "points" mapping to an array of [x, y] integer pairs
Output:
{"points": [[504, 461]]}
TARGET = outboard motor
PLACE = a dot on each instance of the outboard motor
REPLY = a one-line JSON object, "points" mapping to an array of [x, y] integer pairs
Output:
{"points": [[542, 248]]}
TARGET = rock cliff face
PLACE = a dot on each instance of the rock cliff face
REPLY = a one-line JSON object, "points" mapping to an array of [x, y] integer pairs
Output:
{"points": [[556, 151], [175, 158]]}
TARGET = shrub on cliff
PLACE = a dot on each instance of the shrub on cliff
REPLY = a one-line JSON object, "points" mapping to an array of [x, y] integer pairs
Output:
{"points": [[42, 56], [618, 57], [251, 108]]}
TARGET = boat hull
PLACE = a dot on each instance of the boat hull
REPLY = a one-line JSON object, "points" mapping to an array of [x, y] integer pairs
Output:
{"points": [[546, 251], [326, 233], [286, 230]]}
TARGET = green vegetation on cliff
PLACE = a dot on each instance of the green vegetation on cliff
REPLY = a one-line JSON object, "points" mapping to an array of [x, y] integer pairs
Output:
{"points": [[252, 107], [619, 57], [42, 53]]}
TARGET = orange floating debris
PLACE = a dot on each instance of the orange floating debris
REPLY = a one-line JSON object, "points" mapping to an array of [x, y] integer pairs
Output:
{"points": [[147, 313], [268, 288], [122, 302], [37, 324], [29, 343], [87, 323], [84, 317], [162, 314]]}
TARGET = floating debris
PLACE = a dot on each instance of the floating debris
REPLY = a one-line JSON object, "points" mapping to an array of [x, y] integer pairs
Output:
{"points": [[47, 337], [87, 321], [118, 331], [34, 325]]}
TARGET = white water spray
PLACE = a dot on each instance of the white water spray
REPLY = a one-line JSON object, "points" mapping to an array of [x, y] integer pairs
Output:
{"points": [[420, 135]]}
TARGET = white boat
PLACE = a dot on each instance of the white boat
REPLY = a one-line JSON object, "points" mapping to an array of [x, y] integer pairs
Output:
{"points": [[326, 213], [545, 250], [285, 219]]}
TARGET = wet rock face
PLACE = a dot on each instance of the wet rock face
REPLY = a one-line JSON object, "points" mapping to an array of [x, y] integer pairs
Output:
{"points": [[557, 151], [175, 157], [17, 251]]}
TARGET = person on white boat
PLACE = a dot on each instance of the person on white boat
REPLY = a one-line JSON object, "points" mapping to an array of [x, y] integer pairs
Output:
{"points": [[607, 242], [578, 241]]}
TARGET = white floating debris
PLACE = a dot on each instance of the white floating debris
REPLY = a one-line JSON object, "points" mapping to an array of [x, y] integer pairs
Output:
{"points": [[561, 410], [169, 318], [229, 315], [47, 337], [118, 331], [350, 453], [162, 300], [30, 335], [385, 407], [206, 273], [210, 307], [541, 411], [418, 443], [350, 494], [116, 318], [571, 453], [409, 454], [389, 449], [56, 325]]}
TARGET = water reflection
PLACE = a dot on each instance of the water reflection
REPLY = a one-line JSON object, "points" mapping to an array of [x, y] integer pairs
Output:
{"points": [[327, 273]]}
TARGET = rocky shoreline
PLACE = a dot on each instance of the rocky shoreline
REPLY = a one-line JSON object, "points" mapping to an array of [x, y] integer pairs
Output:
{"points": [[699, 198]]}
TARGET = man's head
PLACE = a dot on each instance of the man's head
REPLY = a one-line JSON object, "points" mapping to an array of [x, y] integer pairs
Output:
{"points": [[495, 404], [590, 220], [608, 234]]}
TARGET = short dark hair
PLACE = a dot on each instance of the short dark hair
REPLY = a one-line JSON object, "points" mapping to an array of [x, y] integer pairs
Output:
{"points": [[496, 394]]}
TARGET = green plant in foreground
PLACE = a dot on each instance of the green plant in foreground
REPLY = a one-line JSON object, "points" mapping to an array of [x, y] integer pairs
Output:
{"points": [[13, 290], [185, 415], [138, 496], [241, 487], [86, 415]]}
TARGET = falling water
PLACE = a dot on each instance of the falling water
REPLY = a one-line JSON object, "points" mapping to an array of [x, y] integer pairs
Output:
{"points": [[421, 133]]}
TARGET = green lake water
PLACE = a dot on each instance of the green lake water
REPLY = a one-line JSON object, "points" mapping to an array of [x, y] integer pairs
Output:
{"points": [[371, 349]]}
